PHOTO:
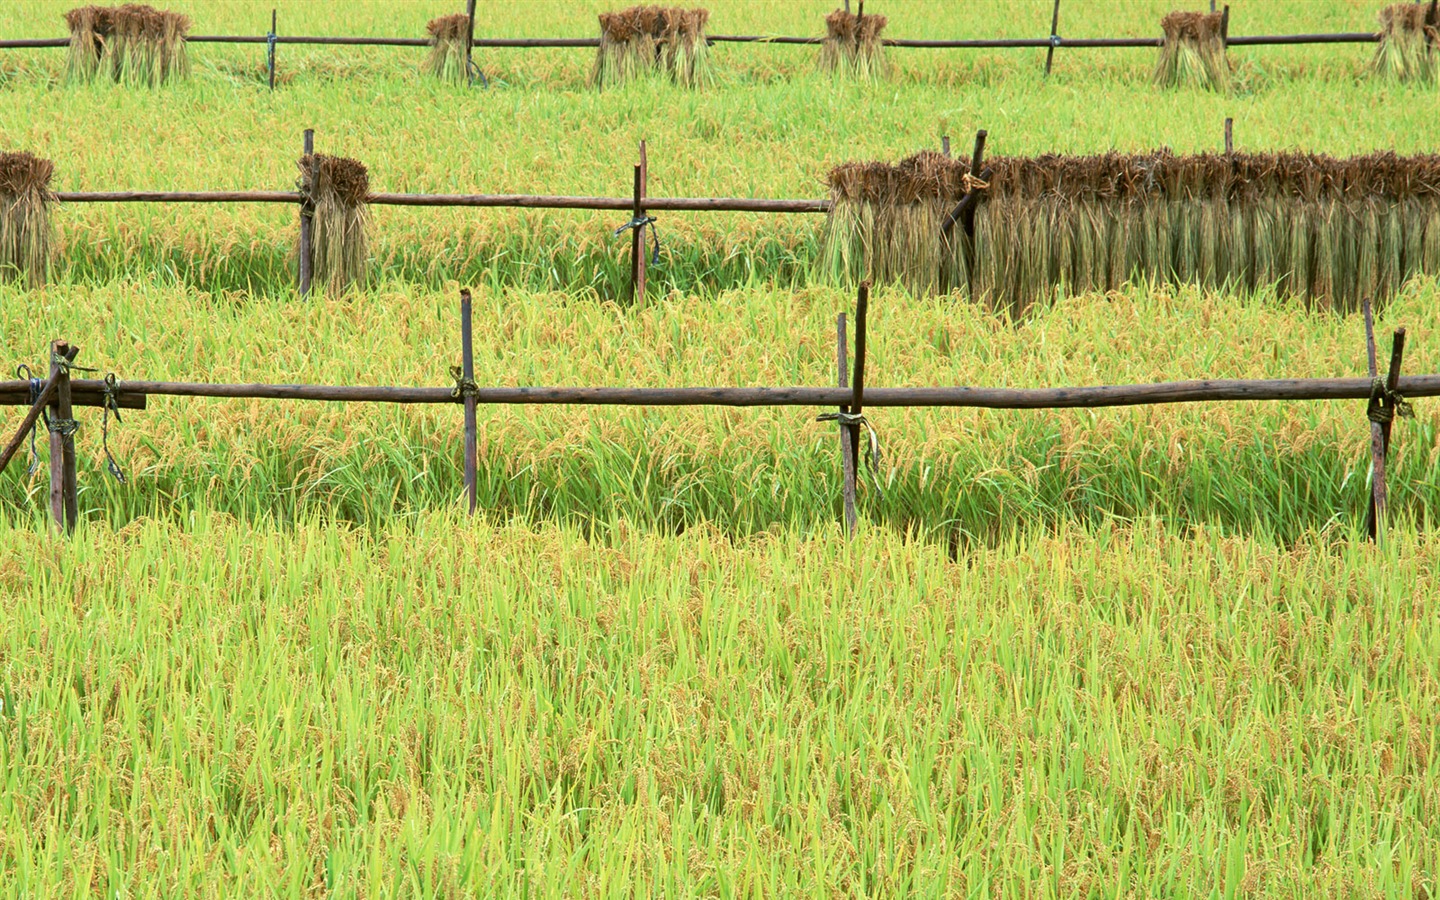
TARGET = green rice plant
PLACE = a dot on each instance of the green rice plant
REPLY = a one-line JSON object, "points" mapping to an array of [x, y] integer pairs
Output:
{"points": [[643, 40], [446, 60], [853, 46], [1193, 52], [25, 201], [337, 189], [1409, 34]]}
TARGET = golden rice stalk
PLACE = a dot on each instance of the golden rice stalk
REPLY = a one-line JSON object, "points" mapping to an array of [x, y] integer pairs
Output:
{"points": [[1193, 52], [448, 35], [853, 46], [644, 40], [132, 44], [90, 28], [25, 200], [337, 190], [1409, 37]]}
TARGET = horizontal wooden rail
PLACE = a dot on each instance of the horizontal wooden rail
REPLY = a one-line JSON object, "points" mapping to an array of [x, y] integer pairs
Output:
{"points": [[525, 201], [132, 394], [1352, 37]]}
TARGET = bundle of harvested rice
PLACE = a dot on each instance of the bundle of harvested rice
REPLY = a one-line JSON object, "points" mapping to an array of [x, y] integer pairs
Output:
{"points": [[132, 44], [448, 35], [336, 190], [852, 45], [1409, 35], [1332, 231], [884, 220], [650, 39], [1193, 52], [25, 200]]}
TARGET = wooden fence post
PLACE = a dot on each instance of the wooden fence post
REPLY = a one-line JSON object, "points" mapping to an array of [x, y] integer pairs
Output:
{"points": [[1229, 136], [964, 211], [637, 237], [847, 458], [945, 145], [270, 50], [1381, 412], [862, 303], [1225, 25], [1054, 38], [469, 42], [306, 212], [64, 506], [467, 375]]}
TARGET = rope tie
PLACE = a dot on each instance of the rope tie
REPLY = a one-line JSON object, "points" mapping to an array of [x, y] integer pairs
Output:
{"points": [[971, 183], [1054, 40], [464, 387], [858, 419], [1385, 405], [63, 427], [110, 400], [639, 223], [66, 365]]}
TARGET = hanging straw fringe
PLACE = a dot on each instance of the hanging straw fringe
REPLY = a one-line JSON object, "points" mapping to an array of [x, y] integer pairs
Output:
{"points": [[1193, 52], [1328, 230], [337, 189], [646, 39], [25, 199], [447, 48], [852, 46], [1409, 37], [132, 44]]}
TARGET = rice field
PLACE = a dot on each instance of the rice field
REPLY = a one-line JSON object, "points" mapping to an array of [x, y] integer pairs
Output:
{"points": [[1109, 653]]}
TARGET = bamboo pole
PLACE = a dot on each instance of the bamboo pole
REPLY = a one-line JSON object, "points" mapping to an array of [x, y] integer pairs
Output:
{"points": [[307, 212], [15, 393], [847, 458], [47, 394], [467, 374]]}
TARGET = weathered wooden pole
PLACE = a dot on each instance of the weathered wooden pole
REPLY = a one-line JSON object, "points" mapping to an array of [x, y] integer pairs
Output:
{"points": [[64, 507], [847, 458], [1225, 25], [1229, 136], [1054, 38], [637, 237], [47, 394], [469, 42], [964, 211], [307, 212], [467, 376], [862, 303], [270, 50], [1381, 412], [945, 145]]}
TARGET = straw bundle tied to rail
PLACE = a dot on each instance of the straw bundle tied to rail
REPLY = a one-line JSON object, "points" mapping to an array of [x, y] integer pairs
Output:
{"points": [[1332, 231], [1409, 38], [447, 47], [1193, 52], [852, 45], [132, 44], [336, 190], [653, 39], [25, 200]]}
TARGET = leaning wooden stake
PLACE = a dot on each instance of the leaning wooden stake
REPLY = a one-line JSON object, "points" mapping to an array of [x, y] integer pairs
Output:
{"points": [[307, 212], [31, 417], [64, 505], [637, 237], [964, 211], [467, 375], [847, 459]]}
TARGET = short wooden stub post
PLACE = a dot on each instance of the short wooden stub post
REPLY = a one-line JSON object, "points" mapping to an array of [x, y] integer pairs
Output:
{"points": [[64, 505], [1229, 136], [637, 236], [467, 375], [857, 402], [469, 42], [307, 212], [1054, 38], [945, 145], [270, 50], [847, 458]]}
